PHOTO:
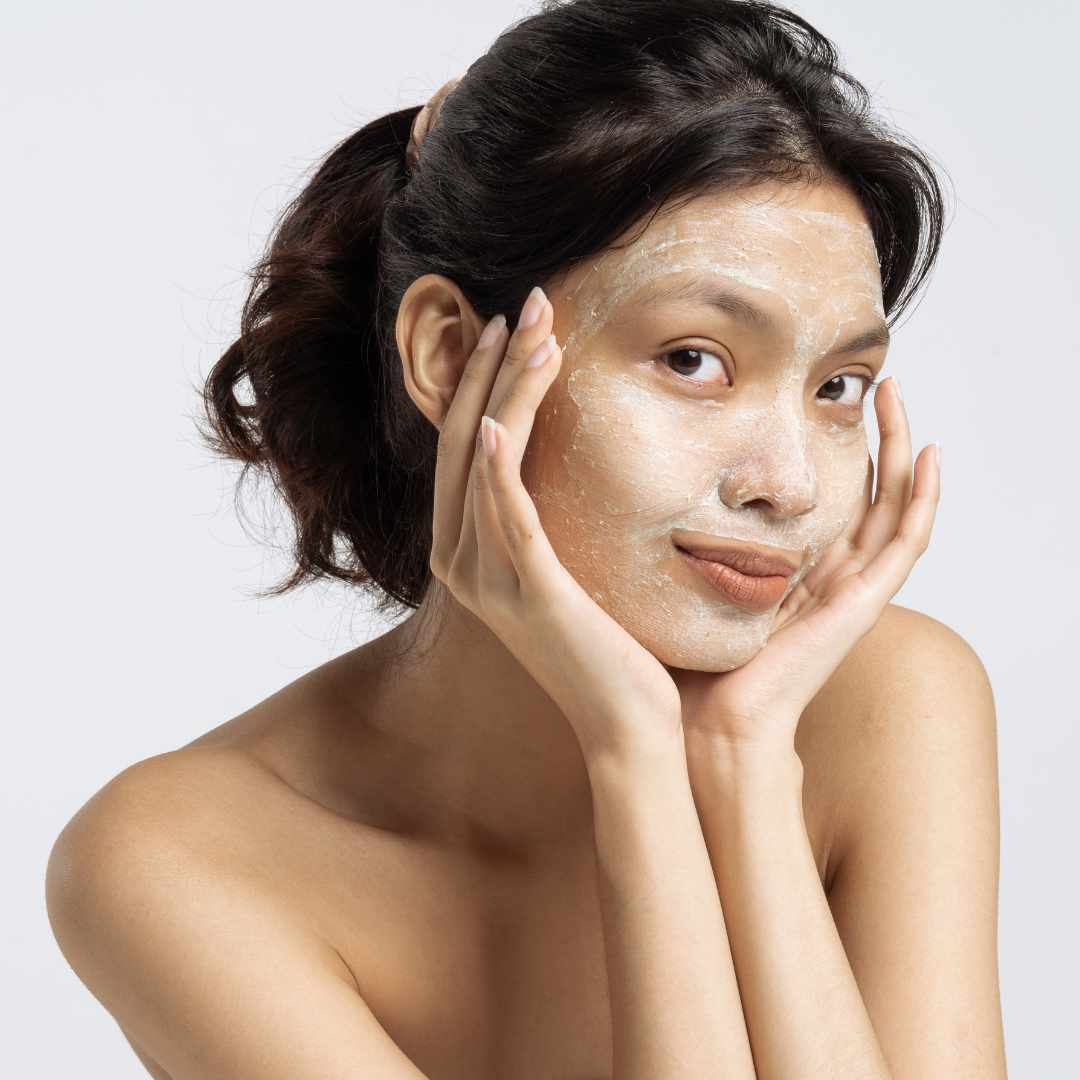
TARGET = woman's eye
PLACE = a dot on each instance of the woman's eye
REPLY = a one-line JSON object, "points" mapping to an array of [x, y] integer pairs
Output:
{"points": [[698, 365], [844, 389]]}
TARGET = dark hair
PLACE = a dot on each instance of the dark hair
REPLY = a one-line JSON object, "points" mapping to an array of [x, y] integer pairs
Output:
{"points": [[578, 124]]}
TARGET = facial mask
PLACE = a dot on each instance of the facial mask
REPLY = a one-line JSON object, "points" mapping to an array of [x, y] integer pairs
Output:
{"points": [[643, 463]]}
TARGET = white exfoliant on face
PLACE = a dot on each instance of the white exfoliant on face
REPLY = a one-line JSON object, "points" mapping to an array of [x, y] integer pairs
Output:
{"points": [[762, 460]]}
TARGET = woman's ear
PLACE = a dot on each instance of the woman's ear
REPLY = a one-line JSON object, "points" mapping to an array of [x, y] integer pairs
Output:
{"points": [[437, 330]]}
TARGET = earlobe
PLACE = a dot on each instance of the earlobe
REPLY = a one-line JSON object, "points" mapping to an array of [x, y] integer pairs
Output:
{"points": [[437, 330]]}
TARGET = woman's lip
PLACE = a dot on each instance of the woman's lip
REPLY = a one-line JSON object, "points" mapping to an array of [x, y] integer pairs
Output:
{"points": [[747, 561], [750, 580]]}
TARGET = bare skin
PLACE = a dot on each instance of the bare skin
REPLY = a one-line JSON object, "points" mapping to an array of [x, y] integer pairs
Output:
{"points": [[505, 841]]}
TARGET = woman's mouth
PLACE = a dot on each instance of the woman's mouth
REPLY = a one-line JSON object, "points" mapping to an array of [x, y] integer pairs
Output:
{"points": [[748, 579]]}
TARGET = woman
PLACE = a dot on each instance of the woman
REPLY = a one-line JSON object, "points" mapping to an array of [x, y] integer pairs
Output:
{"points": [[653, 783]]}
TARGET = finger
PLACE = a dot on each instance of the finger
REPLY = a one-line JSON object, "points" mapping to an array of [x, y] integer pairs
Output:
{"points": [[518, 521], [534, 325], [918, 520], [894, 471], [457, 442], [494, 578], [479, 528], [891, 567], [865, 592], [854, 606], [517, 412]]}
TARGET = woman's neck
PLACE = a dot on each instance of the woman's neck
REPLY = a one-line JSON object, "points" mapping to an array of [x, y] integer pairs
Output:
{"points": [[457, 740]]}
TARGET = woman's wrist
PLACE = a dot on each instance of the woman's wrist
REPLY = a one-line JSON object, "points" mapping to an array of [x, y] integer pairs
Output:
{"points": [[632, 749], [627, 736], [743, 770]]}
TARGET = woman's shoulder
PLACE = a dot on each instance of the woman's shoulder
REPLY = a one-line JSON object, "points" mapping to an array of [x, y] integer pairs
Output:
{"points": [[172, 890], [174, 816], [911, 673], [905, 635], [242, 805], [214, 809], [906, 723]]}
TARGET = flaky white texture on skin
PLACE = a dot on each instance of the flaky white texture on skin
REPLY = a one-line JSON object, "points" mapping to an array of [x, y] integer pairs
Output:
{"points": [[644, 461]]}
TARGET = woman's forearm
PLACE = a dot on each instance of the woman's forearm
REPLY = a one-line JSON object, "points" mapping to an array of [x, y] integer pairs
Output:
{"points": [[803, 1009], [674, 999]]}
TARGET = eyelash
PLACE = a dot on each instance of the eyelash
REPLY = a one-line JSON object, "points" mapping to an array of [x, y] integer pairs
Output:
{"points": [[666, 360], [869, 384]]}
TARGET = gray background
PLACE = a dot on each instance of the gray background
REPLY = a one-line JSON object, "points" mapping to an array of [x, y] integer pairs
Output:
{"points": [[147, 147]]}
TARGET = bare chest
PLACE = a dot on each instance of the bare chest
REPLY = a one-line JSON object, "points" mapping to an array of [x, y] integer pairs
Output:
{"points": [[476, 969], [481, 971]]}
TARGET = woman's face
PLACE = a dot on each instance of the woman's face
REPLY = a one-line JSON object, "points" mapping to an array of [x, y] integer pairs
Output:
{"points": [[704, 442]]}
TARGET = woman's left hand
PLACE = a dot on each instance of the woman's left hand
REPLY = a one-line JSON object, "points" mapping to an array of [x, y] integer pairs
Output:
{"points": [[838, 601]]}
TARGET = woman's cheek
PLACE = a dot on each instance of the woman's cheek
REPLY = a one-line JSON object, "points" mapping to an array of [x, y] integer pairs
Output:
{"points": [[565, 501], [584, 477], [841, 461], [608, 498]]}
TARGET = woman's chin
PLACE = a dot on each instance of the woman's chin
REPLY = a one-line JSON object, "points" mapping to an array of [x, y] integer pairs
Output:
{"points": [[682, 626], [706, 660], [696, 644]]}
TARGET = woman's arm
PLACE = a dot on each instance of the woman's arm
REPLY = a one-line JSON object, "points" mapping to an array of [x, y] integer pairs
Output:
{"points": [[806, 1017], [805, 1013], [674, 998], [913, 888], [909, 964], [675, 1004]]}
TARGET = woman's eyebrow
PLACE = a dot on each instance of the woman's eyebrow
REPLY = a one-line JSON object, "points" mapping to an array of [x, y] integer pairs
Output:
{"points": [[708, 292], [751, 316], [875, 338]]}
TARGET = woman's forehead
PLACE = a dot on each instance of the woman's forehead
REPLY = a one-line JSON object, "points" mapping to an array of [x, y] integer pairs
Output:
{"points": [[794, 256], [750, 240]]}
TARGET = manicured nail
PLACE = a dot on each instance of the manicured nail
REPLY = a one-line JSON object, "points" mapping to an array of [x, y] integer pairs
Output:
{"points": [[533, 306], [487, 431], [896, 383], [937, 452], [542, 352], [491, 332]]}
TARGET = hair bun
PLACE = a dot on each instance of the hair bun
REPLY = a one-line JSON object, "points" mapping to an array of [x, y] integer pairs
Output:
{"points": [[426, 119]]}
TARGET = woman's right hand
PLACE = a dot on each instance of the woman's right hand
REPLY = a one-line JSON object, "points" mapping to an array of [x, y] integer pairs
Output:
{"points": [[491, 551], [675, 1009]]}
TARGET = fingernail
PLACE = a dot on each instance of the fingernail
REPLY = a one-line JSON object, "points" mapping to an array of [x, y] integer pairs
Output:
{"points": [[937, 447], [542, 352], [491, 332], [487, 431], [533, 306], [896, 383]]}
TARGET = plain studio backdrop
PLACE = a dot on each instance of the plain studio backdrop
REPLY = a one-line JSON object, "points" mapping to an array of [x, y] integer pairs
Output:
{"points": [[148, 147]]}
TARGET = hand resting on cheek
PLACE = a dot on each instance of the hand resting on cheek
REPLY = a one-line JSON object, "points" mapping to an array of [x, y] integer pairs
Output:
{"points": [[491, 549], [663, 746]]}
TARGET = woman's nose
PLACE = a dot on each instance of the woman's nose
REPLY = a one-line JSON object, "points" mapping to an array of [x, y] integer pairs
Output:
{"points": [[777, 476]]}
